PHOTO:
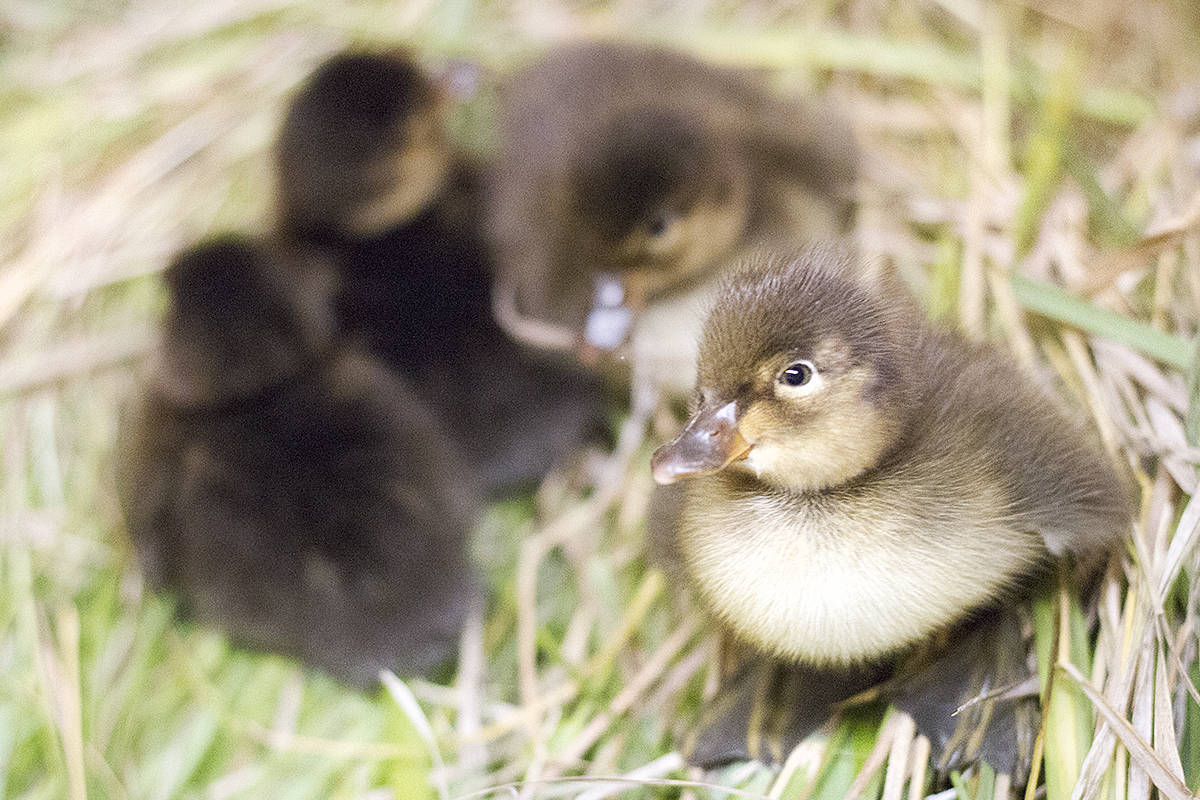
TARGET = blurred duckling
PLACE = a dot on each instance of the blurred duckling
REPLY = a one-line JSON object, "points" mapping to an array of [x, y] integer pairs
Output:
{"points": [[289, 489], [362, 149], [861, 490], [629, 176], [367, 176]]}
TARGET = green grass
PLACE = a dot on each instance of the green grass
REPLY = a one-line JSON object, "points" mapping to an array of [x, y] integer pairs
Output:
{"points": [[131, 132]]}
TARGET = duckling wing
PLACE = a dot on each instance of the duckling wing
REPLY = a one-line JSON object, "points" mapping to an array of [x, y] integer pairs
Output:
{"points": [[1057, 482]]}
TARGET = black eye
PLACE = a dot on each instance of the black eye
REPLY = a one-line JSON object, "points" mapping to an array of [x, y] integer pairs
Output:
{"points": [[659, 224], [797, 374]]}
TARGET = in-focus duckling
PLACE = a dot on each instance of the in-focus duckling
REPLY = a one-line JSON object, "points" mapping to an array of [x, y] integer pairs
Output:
{"points": [[368, 176], [628, 176], [862, 489], [290, 490]]}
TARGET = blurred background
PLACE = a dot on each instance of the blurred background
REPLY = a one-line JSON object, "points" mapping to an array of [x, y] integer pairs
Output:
{"points": [[1032, 167]]}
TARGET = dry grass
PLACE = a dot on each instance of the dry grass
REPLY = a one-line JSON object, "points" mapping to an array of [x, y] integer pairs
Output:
{"points": [[1029, 156]]}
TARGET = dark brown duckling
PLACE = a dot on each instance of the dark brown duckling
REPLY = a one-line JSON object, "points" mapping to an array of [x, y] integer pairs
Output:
{"points": [[368, 177], [629, 176], [860, 489], [363, 147], [288, 489]]}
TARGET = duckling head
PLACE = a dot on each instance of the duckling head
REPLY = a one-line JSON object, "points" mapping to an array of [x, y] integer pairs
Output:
{"points": [[240, 319], [658, 199], [363, 147], [805, 378], [655, 199]]}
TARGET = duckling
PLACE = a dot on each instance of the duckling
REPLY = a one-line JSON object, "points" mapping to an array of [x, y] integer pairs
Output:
{"points": [[286, 487], [862, 489], [636, 173], [362, 148], [367, 176]]}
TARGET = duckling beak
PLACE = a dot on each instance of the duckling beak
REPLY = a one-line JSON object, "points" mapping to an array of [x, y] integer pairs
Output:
{"points": [[710, 442]]}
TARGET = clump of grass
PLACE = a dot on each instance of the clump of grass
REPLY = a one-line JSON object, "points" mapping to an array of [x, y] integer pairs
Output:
{"points": [[1036, 182]]}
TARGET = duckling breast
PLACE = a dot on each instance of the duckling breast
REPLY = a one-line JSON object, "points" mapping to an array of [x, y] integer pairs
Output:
{"points": [[848, 576]]}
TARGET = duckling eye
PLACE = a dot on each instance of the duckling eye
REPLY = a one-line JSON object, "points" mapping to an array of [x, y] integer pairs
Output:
{"points": [[796, 374], [659, 224]]}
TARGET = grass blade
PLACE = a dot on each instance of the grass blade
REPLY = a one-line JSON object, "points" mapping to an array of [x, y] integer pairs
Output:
{"points": [[897, 59], [1169, 785], [1191, 421], [412, 710], [1044, 154], [1190, 739], [1062, 306], [1107, 219], [1061, 638]]}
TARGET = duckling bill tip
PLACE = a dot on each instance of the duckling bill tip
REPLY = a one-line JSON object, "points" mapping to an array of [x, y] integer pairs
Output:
{"points": [[665, 467], [709, 443]]}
